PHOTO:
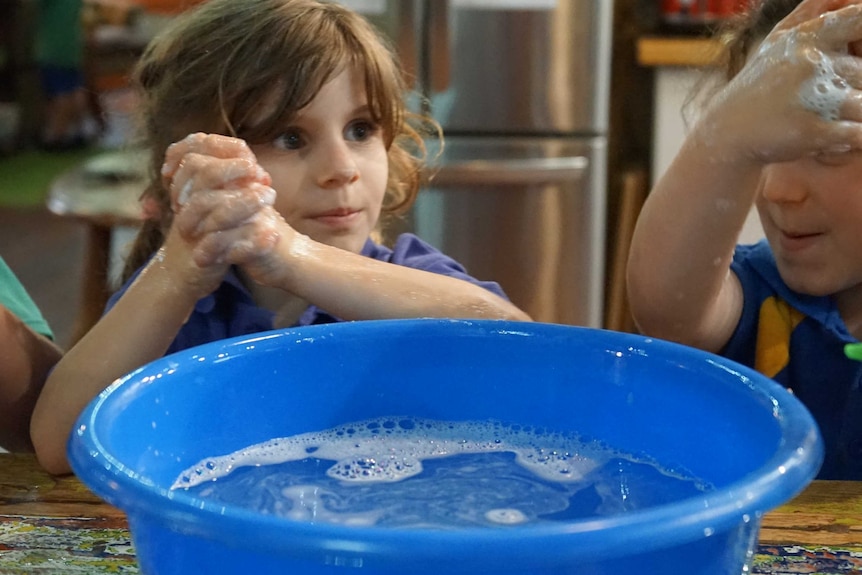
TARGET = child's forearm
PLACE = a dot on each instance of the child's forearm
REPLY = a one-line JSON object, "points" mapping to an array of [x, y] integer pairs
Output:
{"points": [[678, 269], [355, 287], [26, 357], [138, 329]]}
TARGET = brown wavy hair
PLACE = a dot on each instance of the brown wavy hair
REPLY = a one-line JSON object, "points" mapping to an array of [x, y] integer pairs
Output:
{"points": [[216, 65]]}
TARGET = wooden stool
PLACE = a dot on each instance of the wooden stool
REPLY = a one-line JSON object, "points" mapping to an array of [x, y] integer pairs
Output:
{"points": [[103, 193]]}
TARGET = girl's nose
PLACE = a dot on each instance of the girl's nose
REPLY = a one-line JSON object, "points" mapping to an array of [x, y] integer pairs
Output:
{"points": [[337, 165]]}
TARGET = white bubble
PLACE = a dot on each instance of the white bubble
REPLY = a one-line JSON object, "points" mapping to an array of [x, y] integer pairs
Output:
{"points": [[505, 516]]}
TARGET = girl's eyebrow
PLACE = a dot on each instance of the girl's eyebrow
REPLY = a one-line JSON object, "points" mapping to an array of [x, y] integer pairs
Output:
{"points": [[360, 110]]}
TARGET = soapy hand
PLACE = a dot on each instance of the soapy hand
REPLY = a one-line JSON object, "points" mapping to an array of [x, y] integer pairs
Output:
{"points": [[222, 202], [799, 94]]}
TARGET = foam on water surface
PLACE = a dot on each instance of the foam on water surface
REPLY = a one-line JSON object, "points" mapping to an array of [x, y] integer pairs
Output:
{"points": [[391, 449], [406, 472]]}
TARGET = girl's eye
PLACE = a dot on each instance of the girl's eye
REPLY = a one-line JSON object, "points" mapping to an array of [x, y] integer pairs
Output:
{"points": [[290, 140], [361, 130]]}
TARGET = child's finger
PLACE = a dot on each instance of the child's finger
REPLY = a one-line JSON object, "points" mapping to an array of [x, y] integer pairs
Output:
{"points": [[849, 68], [812, 9], [256, 244], [214, 145], [837, 30], [846, 135], [851, 108], [198, 172], [231, 208], [211, 210], [237, 245], [212, 248]]}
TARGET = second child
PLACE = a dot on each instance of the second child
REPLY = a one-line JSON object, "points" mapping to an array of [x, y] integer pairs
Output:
{"points": [[784, 134]]}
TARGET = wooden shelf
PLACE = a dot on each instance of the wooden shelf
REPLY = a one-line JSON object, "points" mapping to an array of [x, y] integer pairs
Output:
{"points": [[665, 51]]}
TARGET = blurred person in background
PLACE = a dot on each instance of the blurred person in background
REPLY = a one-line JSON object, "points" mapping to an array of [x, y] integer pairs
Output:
{"points": [[59, 54]]}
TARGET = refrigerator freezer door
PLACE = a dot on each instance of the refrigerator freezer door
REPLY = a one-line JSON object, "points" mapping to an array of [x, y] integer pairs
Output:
{"points": [[519, 67], [526, 213]]}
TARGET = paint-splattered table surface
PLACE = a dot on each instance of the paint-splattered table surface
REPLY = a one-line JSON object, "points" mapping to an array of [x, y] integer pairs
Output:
{"points": [[55, 526]]}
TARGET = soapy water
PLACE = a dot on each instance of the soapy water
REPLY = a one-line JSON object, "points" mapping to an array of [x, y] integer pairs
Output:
{"points": [[459, 491], [391, 449], [417, 473]]}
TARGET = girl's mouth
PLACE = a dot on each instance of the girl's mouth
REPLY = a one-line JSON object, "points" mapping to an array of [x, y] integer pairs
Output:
{"points": [[796, 241], [339, 217]]}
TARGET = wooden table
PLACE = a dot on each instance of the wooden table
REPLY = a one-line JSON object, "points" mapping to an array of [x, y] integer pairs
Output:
{"points": [[103, 193], [55, 526]]}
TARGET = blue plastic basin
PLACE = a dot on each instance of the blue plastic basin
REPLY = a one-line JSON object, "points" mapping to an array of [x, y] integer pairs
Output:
{"points": [[725, 423]]}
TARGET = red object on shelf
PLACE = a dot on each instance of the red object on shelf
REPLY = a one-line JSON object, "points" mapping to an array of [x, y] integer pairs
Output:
{"points": [[698, 11], [167, 6], [680, 9]]}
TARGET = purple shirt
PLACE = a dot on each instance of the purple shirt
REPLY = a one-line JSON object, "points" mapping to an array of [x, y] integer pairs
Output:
{"points": [[230, 311]]}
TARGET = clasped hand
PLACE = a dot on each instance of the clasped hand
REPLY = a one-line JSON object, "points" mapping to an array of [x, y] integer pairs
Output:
{"points": [[223, 210]]}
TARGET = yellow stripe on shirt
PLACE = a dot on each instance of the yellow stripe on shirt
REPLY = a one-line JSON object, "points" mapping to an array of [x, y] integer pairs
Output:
{"points": [[776, 323]]}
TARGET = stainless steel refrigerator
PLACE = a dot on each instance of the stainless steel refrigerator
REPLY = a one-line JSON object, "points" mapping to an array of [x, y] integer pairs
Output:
{"points": [[521, 89]]}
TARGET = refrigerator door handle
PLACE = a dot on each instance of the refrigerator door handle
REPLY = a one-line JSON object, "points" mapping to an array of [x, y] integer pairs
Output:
{"points": [[517, 172]]}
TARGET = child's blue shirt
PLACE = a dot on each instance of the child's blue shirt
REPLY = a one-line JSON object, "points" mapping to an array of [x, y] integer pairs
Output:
{"points": [[231, 311], [798, 340]]}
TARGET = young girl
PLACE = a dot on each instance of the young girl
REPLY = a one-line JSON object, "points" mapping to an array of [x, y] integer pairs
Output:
{"points": [[785, 133], [298, 143]]}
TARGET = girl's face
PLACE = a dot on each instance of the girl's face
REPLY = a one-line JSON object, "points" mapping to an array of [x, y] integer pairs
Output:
{"points": [[329, 167], [811, 211]]}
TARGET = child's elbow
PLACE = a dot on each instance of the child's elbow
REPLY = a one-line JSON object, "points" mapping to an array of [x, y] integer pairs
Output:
{"points": [[53, 461], [504, 310], [650, 320], [50, 447], [517, 314], [53, 464]]}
